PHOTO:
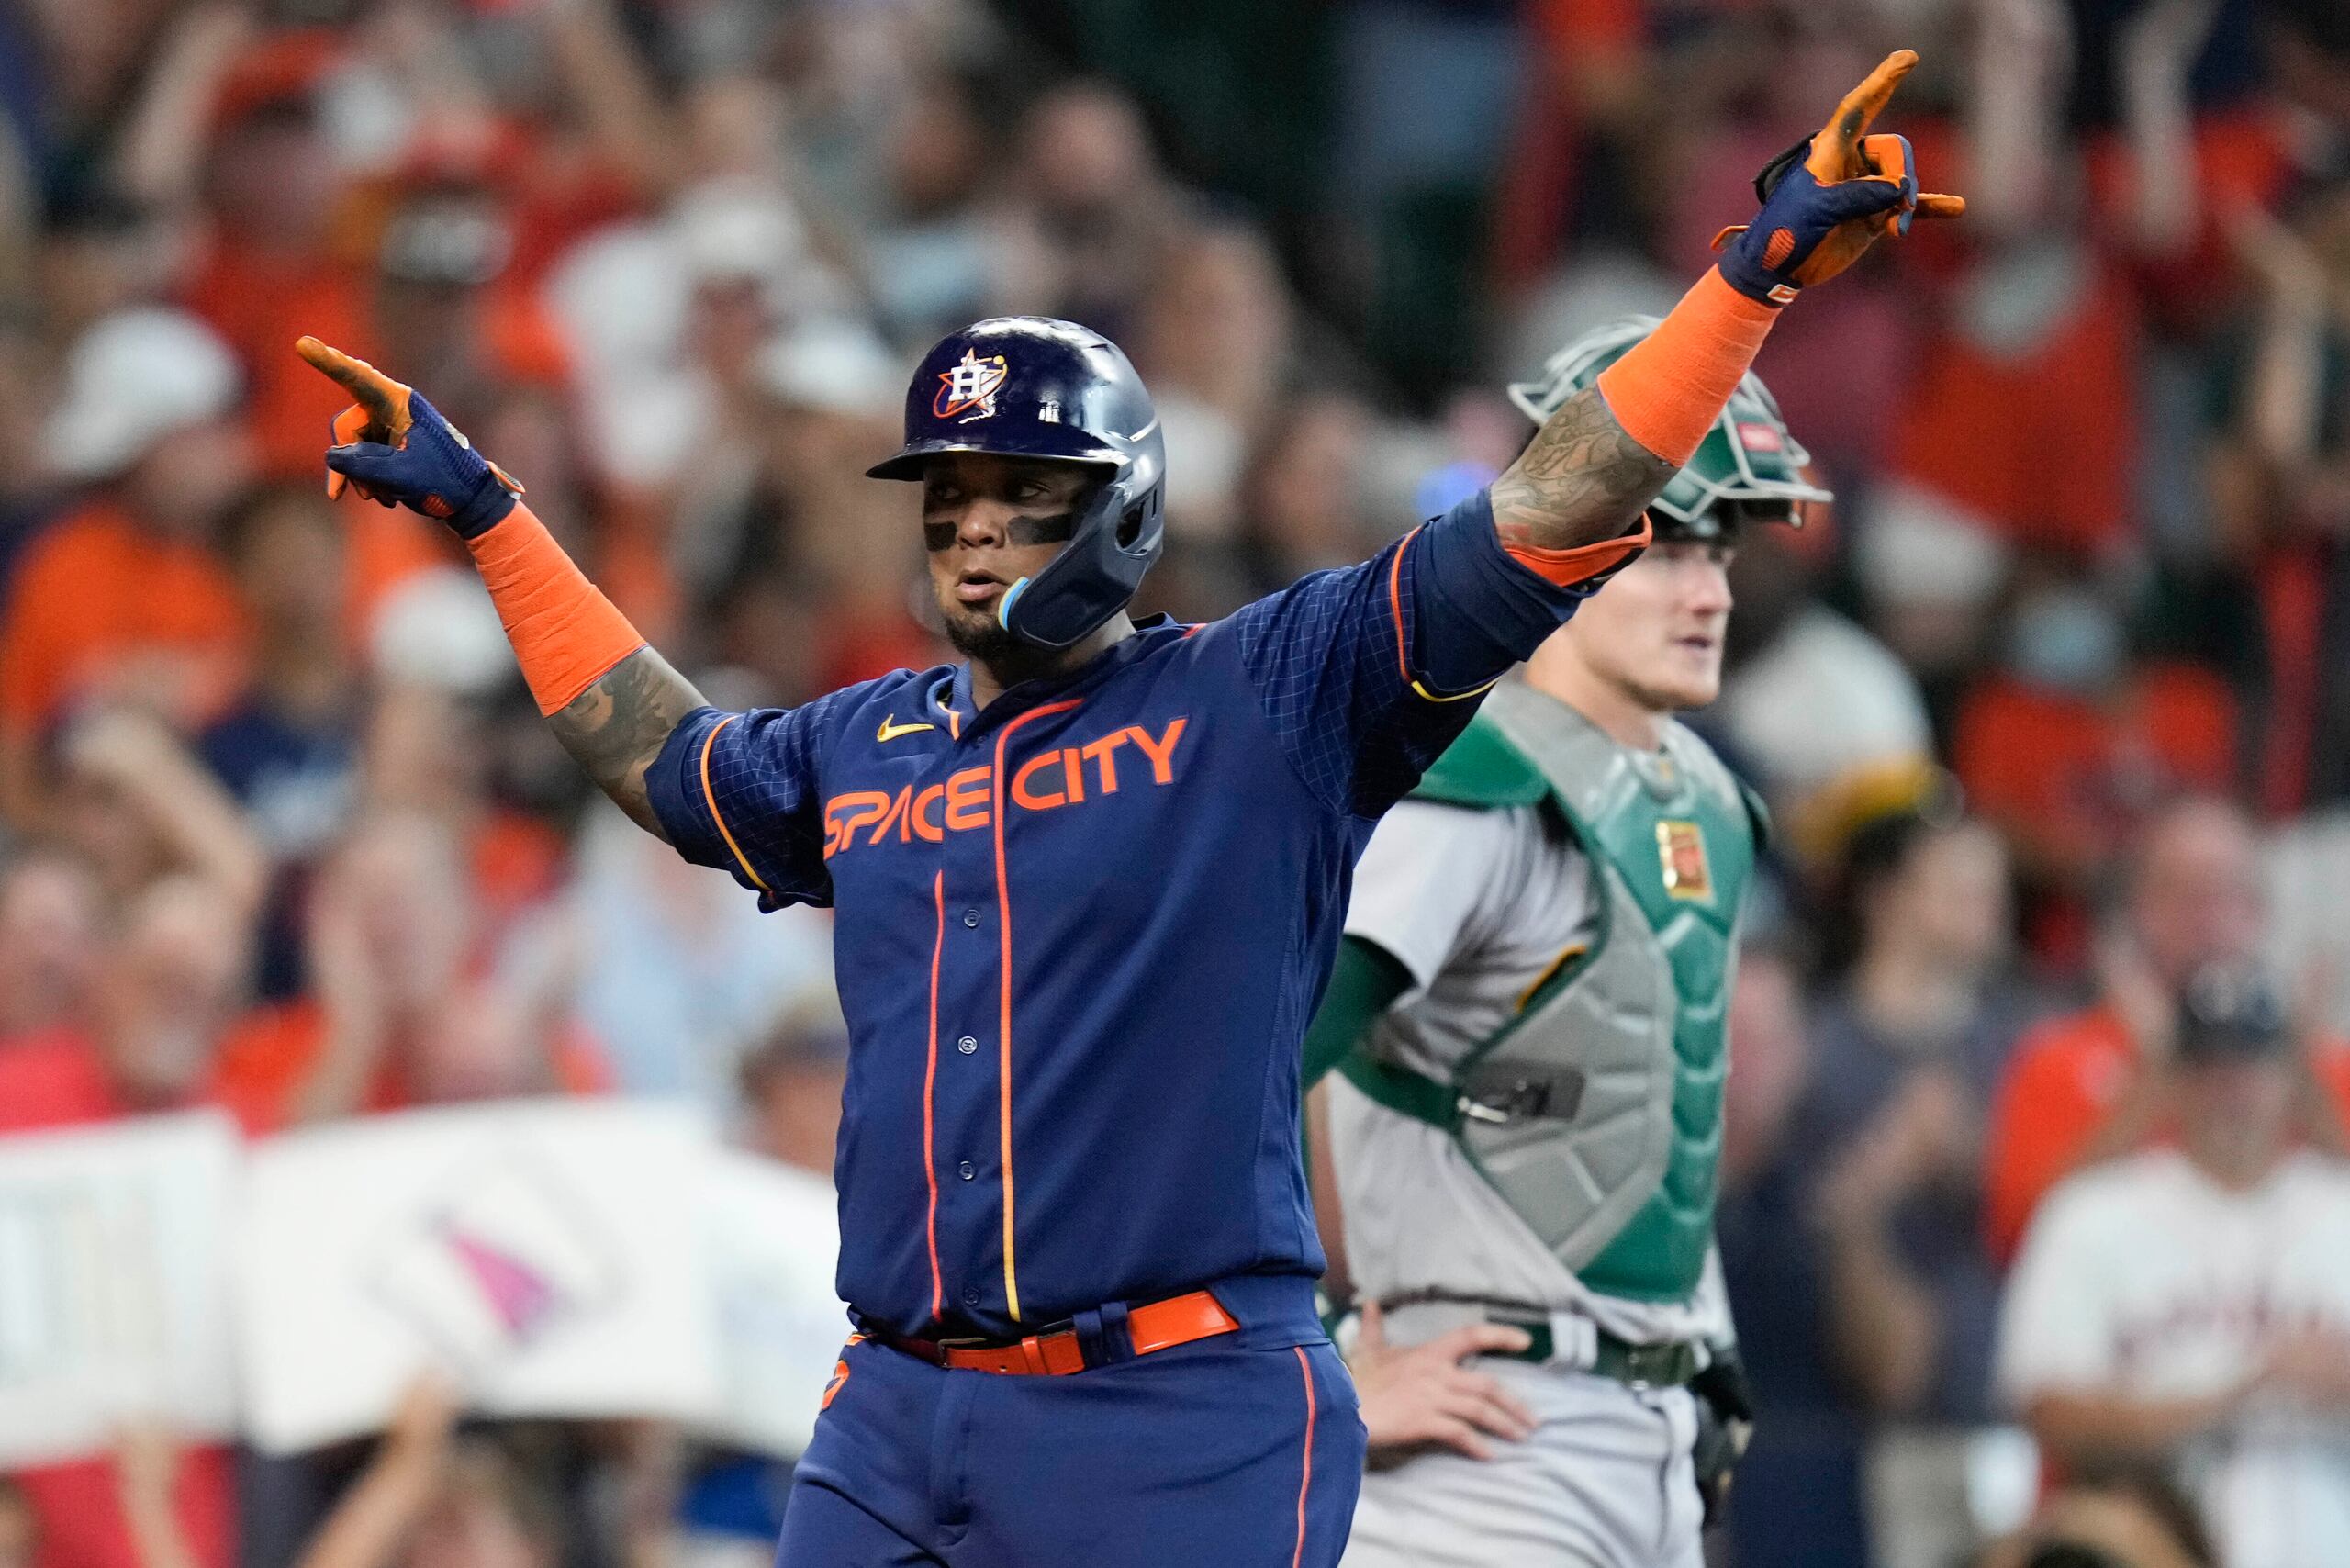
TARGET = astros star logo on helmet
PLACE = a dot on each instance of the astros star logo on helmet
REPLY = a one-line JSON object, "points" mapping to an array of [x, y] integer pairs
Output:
{"points": [[969, 388]]}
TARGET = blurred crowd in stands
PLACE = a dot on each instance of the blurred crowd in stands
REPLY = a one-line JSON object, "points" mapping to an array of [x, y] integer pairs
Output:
{"points": [[2052, 707]]}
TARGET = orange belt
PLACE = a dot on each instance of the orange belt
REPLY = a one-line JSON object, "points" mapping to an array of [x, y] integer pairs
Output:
{"points": [[1155, 1326]]}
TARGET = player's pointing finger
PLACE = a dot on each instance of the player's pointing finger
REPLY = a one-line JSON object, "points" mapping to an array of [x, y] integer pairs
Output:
{"points": [[1835, 152], [379, 410], [384, 399]]}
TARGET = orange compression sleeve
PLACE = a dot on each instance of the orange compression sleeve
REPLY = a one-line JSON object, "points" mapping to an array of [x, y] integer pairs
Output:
{"points": [[566, 634], [1669, 386]]}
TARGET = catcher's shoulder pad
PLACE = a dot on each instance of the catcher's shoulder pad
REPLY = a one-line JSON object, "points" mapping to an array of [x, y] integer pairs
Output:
{"points": [[1481, 770]]}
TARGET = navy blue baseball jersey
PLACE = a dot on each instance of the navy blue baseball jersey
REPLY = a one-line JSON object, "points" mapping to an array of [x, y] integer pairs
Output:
{"points": [[1080, 932]]}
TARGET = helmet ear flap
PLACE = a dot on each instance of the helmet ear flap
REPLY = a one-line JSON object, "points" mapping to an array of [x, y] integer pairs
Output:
{"points": [[1115, 538], [1140, 519]]}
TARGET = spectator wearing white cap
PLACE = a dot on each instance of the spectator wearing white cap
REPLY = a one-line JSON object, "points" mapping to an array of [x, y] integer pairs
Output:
{"points": [[122, 597]]}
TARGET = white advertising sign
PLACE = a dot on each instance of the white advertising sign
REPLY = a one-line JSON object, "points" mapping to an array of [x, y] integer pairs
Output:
{"points": [[545, 1251], [114, 1301], [772, 1240]]}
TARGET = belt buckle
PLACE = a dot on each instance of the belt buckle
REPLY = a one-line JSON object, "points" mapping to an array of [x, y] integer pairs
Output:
{"points": [[1574, 1341], [1026, 1352], [983, 1342], [1657, 1366]]}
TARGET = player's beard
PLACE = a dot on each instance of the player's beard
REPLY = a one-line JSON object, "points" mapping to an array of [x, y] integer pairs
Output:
{"points": [[986, 642], [982, 642]]}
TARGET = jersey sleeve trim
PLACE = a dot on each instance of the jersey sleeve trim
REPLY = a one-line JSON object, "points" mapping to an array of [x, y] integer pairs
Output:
{"points": [[1571, 568], [710, 797], [1402, 654]]}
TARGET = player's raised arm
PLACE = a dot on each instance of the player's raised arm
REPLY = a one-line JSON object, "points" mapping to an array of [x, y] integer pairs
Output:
{"points": [[609, 698], [1596, 464]]}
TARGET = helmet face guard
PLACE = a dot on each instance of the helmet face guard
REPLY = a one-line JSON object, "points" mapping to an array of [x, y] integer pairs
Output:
{"points": [[1748, 468], [1031, 388]]}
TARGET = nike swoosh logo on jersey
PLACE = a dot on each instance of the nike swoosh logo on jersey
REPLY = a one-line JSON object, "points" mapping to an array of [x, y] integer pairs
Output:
{"points": [[891, 729]]}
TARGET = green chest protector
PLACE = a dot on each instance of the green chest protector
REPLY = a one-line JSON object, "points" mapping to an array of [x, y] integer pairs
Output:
{"points": [[1596, 1110]]}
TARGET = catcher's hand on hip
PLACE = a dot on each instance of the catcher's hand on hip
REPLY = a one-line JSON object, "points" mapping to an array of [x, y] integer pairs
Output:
{"points": [[1829, 198], [394, 448], [1425, 1397]]}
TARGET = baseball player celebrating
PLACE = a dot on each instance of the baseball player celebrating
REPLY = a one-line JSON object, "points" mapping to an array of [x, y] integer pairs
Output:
{"points": [[1530, 1004], [1087, 887]]}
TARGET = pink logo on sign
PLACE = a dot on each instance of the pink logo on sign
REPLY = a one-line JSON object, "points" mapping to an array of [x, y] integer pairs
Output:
{"points": [[520, 1295]]}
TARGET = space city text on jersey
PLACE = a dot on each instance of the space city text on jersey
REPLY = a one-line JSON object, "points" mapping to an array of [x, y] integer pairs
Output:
{"points": [[1065, 776]]}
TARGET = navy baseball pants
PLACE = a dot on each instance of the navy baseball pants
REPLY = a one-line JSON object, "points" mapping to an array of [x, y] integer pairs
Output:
{"points": [[1207, 1454]]}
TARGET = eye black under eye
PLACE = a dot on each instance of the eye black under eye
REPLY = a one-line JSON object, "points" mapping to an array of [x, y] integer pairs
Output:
{"points": [[1042, 530], [937, 536]]}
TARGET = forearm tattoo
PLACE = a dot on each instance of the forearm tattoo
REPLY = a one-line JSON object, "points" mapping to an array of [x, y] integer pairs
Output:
{"points": [[1581, 480], [616, 727]]}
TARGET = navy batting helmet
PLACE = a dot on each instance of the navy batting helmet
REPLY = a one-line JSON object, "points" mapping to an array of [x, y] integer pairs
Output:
{"points": [[1031, 387]]}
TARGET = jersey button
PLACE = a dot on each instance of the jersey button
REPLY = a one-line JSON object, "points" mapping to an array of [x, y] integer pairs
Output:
{"points": [[966, 1045], [970, 917], [970, 1296], [967, 1169]]}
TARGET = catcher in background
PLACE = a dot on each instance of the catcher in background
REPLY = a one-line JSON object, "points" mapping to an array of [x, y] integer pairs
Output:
{"points": [[1528, 1016]]}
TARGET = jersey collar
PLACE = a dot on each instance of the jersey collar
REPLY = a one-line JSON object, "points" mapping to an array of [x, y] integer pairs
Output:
{"points": [[950, 695]]}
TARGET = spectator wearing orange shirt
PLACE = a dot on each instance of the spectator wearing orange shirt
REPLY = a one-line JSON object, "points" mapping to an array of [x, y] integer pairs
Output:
{"points": [[2072, 741], [123, 599], [448, 306], [2097, 1083], [242, 136], [258, 179]]}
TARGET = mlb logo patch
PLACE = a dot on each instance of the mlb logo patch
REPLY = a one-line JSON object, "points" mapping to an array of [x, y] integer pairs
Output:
{"points": [[969, 386], [1681, 846]]}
